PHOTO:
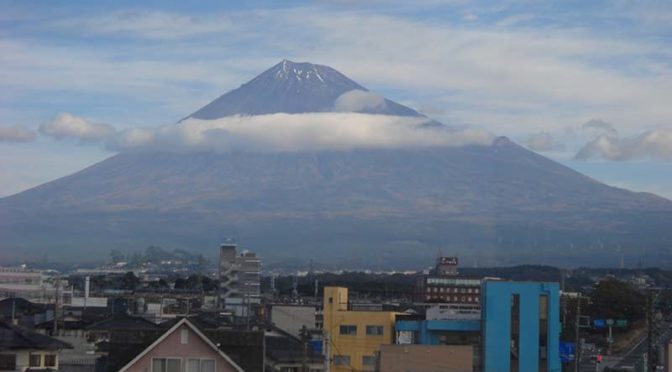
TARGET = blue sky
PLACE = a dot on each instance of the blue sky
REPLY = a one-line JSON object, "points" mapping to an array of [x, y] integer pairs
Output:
{"points": [[565, 78]]}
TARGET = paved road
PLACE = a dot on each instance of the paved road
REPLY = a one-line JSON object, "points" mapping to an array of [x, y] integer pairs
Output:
{"points": [[636, 353]]}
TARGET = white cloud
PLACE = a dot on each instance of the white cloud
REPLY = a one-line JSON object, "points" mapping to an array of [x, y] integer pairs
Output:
{"points": [[66, 125], [653, 144], [358, 101], [543, 142], [294, 132], [599, 126], [16, 133], [485, 70], [150, 24]]}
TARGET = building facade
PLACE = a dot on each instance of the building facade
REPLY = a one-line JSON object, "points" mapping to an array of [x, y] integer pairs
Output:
{"points": [[352, 338], [448, 289], [22, 349], [239, 279], [183, 348], [521, 326], [422, 358], [443, 284]]}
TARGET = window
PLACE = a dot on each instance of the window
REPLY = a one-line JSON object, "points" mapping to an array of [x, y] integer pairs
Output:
{"points": [[166, 365], [514, 362], [374, 330], [7, 362], [342, 360], [348, 329], [369, 360], [50, 360], [35, 360], [184, 336], [200, 365]]}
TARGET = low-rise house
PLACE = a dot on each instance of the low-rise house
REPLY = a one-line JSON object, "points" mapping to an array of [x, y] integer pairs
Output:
{"points": [[22, 349], [182, 348], [118, 339], [22, 312], [284, 352]]}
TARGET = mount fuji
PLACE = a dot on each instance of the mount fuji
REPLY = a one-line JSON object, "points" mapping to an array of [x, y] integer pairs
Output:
{"points": [[367, 207]]}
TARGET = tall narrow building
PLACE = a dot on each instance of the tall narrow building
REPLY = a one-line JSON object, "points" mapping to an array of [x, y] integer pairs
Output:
{"points": [[228, 272], [239, 279]]}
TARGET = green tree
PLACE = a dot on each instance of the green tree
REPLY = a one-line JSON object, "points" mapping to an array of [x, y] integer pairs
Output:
{"points": [[615, 299], [130, 281]]}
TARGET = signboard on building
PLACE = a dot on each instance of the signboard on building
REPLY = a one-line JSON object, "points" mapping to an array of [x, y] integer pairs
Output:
{"points": [[448, 260], [567, 352]]}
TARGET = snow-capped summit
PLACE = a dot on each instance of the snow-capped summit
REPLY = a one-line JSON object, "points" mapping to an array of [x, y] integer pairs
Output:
{"points": [[298, 71], [292, 87]]}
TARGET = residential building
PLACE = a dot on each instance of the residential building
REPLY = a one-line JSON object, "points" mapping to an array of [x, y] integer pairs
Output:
{"points": [[21, 349], [32, 285], [249, 277], [118, 338], [287, 353], [182, 348], [292, 318], [352, 338], [240, 279], [22, 312], [228, 271]]}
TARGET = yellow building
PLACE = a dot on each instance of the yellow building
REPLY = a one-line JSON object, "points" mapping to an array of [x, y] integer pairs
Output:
{"points": [[352, 338]]}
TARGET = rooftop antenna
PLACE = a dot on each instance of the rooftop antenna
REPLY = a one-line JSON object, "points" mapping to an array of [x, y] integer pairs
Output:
{"points": [[295, 285], [273, 276]]}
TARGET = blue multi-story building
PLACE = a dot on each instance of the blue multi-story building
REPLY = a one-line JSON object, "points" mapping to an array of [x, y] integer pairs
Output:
{"points": [[520, 326], [516, 330]]}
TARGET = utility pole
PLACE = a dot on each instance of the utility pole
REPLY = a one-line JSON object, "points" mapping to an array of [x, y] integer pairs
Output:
{"points": [[577, 353], [327, 344], [304, 340], [651, 353]]}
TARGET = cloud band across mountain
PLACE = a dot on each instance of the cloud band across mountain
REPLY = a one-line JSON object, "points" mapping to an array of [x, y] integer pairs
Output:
{"points": [[295, 132]]}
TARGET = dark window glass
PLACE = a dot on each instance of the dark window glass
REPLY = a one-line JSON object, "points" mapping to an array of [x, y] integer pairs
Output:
{"points": [[342, 360], [374, 330], [515, 332], [7, 362], [348, 329], [543, 332], [369, 360], [35, 360], [50, 360]]}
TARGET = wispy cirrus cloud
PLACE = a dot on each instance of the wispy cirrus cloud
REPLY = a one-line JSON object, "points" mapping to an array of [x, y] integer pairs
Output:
{"points": [[652, 144], [15, 133], [600, 126], [543, 142], [156, 25]]}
